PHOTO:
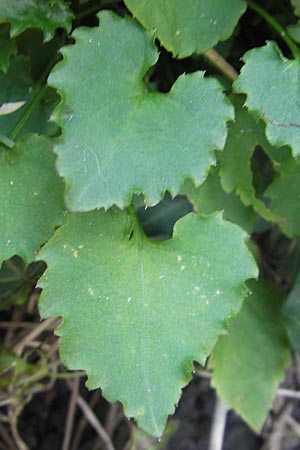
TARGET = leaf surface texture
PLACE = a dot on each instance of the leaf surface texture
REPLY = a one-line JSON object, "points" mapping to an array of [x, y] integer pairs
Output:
{"points": [[120, 138], [138, 312]]}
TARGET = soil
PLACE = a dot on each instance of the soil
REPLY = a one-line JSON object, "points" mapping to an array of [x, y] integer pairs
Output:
{"points": [[42, 423]]}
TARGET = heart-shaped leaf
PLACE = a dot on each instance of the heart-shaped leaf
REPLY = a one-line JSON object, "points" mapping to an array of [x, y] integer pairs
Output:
{"points": [[138, 312], [119, 138]]}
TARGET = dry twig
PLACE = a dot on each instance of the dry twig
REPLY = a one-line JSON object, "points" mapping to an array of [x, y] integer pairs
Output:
{"points": [[71, 415], [94, 422], [43, 326], [217, 60]]}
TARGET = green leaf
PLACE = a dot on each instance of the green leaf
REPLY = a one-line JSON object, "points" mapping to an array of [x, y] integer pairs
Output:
{"points": [[120, 138], [31, 197], [48, 15], [294, 31], [284, 193], [184, 29], [291, 315], [272, 85], [210, 197], [244, 135], [282, 159], [17, 280], [249, 363], [8, 48], [296, 5], [138, 312], [17, 85]]}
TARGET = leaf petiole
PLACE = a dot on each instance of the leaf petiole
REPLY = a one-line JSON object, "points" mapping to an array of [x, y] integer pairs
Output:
{"points": [[27, 112], [9, 143], [277, 27]]}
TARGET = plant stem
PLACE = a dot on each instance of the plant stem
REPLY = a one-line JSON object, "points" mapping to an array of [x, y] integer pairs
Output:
{"points": [[277, 27], [6, 141], [217, 60], [35, 100], [27, 112]]}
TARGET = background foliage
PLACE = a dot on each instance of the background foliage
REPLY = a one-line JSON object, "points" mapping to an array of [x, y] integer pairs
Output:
{"points": [[150, 185]]}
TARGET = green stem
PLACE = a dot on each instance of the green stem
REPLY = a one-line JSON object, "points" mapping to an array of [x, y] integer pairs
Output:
{"points": [[27, 112], [6, 141], [277, 27], [35, 100]]}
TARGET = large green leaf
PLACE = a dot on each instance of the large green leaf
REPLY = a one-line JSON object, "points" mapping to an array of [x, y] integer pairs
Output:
{"points": [[272, 85], [244, 135], [138, 312], [249, 363], [210, 197], [31, 197], [44, 14], [184, 28], [284, 193], [119, 138], [291, 315]]}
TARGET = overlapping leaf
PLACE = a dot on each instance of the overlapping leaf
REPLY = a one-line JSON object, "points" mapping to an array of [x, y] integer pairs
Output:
{"points": [[291, 315], [272, 85], [284, 193], [249, 363], [44, 14], [31, 197], [236, 174], [119, 138], [138, 312], [210, 197], [187, 28]]}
